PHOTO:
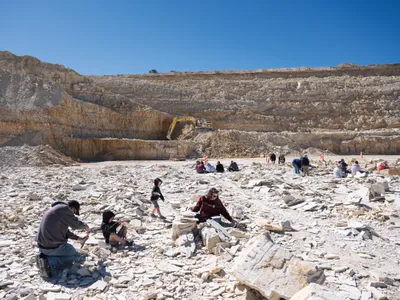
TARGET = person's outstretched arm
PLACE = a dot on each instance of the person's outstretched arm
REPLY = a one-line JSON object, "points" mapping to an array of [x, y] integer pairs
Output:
{"points": [[198, 205]]}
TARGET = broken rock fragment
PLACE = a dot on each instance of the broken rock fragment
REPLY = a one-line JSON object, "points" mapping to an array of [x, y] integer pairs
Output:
{"points": [[291, 201], [316, 291], [272, 270], [183, 226], [209, 237]]}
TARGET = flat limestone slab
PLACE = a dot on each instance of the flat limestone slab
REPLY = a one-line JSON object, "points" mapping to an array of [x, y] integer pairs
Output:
{"points": [[272, 270], [316, 291]]}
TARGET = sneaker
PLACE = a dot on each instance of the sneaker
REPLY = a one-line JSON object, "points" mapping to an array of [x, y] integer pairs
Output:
{"points": [[44, 267], [153, 216], [128, 243], [162, 217]]}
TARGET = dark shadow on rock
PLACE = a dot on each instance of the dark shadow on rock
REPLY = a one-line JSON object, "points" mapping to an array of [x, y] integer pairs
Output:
{"points": [[137, 248], [70, 279]]}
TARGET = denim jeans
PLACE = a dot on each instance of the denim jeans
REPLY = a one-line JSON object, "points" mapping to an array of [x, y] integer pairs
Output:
{"points": [[296, 168], [61, 257]]}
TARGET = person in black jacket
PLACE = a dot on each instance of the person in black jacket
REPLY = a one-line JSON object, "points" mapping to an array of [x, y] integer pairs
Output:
{"points": [[343, 166], [155, 195], [233, 167], [272, 157], [305, 165], [109, 229], [281, 159], [220, 168]]}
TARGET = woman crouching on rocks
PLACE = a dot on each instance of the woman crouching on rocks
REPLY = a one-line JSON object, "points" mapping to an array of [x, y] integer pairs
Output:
{"points": [[209, 206]]}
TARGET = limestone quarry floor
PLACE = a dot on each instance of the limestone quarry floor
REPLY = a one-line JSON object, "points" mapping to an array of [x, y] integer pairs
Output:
{"points": [[326, 228]]}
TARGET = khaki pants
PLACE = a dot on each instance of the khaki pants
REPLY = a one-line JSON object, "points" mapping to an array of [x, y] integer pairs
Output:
{"points": [[305, 170]]}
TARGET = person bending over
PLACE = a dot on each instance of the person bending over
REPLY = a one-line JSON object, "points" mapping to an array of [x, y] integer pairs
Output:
{"points": [[209, 206]]}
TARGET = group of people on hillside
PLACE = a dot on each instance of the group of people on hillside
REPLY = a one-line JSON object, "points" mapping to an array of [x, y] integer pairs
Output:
{"points": [[301, 165], [55, 253], [272, 158], [206, 167]]}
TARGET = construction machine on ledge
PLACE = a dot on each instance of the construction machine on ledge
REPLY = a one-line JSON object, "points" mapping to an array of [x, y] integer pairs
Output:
{"points": [[198, 123]]}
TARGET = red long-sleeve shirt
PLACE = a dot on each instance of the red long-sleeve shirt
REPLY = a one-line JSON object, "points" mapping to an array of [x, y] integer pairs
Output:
{"points": [[210, 208]]}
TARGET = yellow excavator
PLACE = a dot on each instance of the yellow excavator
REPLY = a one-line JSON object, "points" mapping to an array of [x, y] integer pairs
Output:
{"points": [[198, 123]]}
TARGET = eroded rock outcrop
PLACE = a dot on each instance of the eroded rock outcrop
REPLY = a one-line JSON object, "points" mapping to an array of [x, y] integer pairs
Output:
{"points": [[42, 103]]}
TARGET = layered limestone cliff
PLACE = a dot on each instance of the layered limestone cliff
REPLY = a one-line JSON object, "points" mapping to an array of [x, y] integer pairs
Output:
{"points": [[125, 149], [342, 98], [42, 103], [348, 109]]}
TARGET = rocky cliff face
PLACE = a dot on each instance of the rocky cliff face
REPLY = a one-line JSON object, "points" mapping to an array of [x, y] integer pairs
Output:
{"points": [[348, 109], [43, 103], [273, 100]]}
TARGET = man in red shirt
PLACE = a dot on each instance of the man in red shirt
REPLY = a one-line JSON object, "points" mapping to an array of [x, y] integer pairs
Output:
{"points": [[210, 206]]}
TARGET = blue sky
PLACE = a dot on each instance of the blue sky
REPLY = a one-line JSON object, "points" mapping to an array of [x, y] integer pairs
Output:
{"points": [[120, 37]]}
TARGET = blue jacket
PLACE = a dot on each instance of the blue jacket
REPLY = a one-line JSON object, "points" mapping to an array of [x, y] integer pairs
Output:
{"points": [[297, 162]]}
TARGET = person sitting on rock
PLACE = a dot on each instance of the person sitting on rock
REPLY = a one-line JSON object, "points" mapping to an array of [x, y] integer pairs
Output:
{"points": [[338, 172], [305, 165], [220, 168], [209, 206], [210, 168], [296, 164], [200, 167], [109, 229], [233, 167], [343, 166], [52, 238], [382, 166], [155, 195], [272, 157], [281, 159], [355, 168]]}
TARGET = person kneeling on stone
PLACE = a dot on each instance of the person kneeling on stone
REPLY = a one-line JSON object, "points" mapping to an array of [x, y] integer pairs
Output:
{"points": [[233, 167], [220, 168], [355, 168], [53, 234], [109, 229], [209, 206], [337, 171]]}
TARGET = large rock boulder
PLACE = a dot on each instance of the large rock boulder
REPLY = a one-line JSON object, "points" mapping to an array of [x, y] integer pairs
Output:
{"points": [[272, 270]]}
